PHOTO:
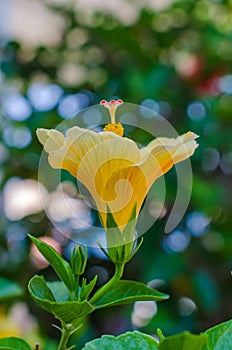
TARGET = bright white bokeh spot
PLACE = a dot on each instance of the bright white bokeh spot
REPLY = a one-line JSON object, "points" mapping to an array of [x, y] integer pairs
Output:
{"points": [[196, 111], [176, 242], [146, 309], [22, 198], [72, 104], [44, 97], [143, 312], [16, 107], [72, 212], [197, 223], [33, 24]]}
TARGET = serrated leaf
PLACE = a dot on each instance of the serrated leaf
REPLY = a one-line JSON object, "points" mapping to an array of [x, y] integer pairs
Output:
{"points": [[125, 292], [9, 289], [67, 311], [13, 343], [130, 341], [183, 341], [219, 337], [61, 266]]}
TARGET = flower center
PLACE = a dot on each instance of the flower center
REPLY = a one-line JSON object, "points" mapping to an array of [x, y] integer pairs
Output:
{"points": [[117, 128]]}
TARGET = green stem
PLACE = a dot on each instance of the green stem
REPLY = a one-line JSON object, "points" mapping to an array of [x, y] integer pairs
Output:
{"points": [[119, 268], [77, 296], [66, 332], [73, 294]]}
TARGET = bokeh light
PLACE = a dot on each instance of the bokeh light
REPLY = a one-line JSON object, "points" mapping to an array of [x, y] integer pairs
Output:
{"points": [[196, 111], [226, 163], [22, 198], [225, 84], [186, 306], [44, 97], [72, 104], [176, 242], [210, 159], [143, 312], [197, 223], [17, 137], [16, 106], [59, 57]]}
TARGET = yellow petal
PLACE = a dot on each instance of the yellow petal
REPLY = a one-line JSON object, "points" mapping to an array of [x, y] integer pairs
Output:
{"points": [[126, 188], [50, 139], [162, 153], [157, 158], [80, 142], [99, 164], [116, 173]]}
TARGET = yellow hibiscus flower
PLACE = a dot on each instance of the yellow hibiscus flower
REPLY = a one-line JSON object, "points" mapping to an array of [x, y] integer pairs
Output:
{"points": [[116, 172]]}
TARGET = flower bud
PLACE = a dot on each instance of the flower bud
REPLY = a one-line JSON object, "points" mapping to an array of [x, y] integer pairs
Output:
{"points": [[78, 259]]}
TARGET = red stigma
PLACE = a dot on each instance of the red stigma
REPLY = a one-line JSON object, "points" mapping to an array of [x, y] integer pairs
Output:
{"points": [[111, 102]]}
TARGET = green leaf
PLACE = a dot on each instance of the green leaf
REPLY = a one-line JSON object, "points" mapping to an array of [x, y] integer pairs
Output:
{"points": [[61, 266], [13, 343], [113, 235], [9, 289], [129, 230], [219, 337], [66, 311], [120, 244], [110, 222], [130, 341], [59, 290], [125, 292], [86, 289], [183, 341], [42, 289]]}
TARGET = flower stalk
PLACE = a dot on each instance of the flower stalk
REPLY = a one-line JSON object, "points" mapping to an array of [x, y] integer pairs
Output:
{"points": [[119, 269]]}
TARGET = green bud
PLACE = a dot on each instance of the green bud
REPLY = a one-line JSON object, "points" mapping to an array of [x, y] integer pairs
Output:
{"points": [[78, 259], [121, 245]]}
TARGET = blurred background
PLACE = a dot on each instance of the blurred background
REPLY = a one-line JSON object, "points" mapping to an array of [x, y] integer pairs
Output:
{"points": [[175, 57]]}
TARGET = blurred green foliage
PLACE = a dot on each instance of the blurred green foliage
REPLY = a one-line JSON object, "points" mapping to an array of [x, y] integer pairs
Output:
{"points": [[174, 56]]}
